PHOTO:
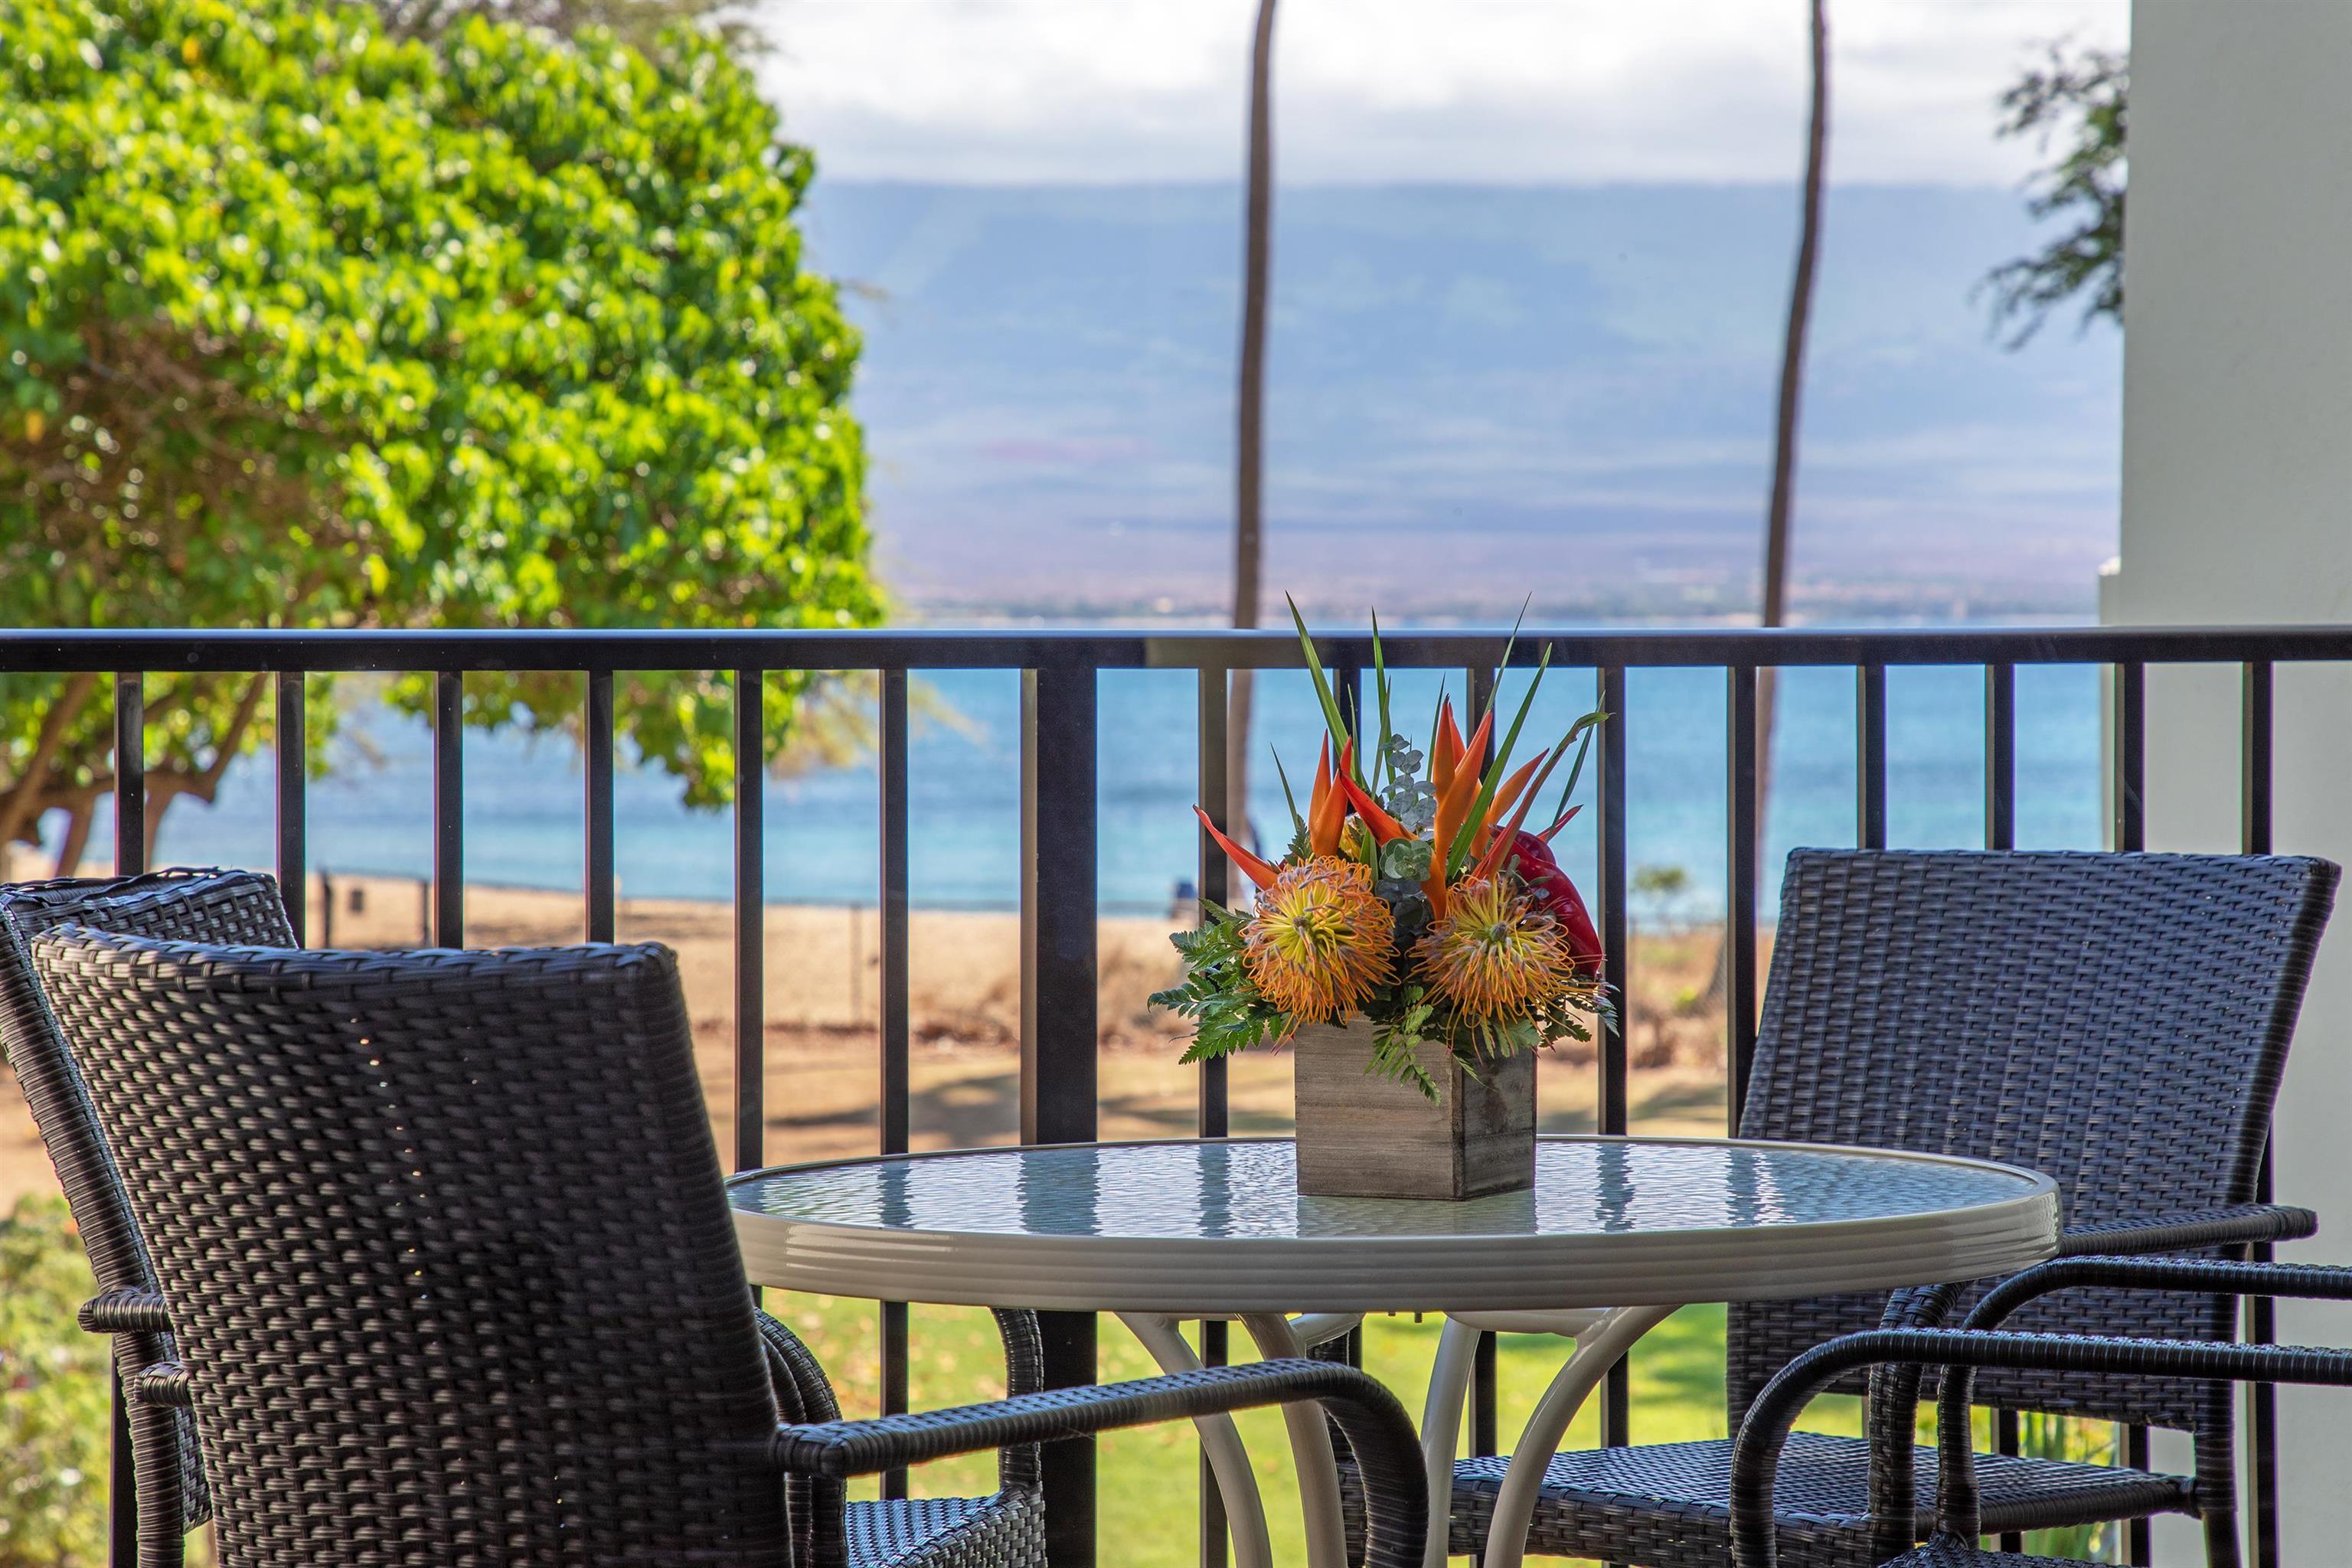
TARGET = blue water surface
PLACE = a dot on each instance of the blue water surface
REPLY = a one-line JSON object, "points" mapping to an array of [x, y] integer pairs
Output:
{"points": [[524, 817]]}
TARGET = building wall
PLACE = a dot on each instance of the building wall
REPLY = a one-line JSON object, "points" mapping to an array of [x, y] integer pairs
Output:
{"points": [[2237, 496]]}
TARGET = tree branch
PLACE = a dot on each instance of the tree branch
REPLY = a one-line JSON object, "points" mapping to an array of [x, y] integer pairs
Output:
{"points": [[23, 805]]}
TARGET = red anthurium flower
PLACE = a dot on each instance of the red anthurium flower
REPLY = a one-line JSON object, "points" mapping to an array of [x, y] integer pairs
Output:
{"points": [[1559, 898]]}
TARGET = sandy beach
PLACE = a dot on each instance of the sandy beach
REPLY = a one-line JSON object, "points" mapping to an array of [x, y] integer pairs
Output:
{"points": [[823, 977]]}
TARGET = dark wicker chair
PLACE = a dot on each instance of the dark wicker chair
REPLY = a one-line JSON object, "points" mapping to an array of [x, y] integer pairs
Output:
{"points": [[245, 907], [183, 906], [1972, 1349], [2119, 1021], [442, 1239]]}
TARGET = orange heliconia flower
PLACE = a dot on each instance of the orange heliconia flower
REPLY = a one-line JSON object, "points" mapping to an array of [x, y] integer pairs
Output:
{"points": [[1321, 940], [1327, 809], [1494, 954]]}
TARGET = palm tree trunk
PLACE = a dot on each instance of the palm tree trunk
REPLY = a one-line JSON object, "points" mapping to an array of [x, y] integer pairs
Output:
{"points": [[1784, 442], [1249, 435], [1792, 378]]}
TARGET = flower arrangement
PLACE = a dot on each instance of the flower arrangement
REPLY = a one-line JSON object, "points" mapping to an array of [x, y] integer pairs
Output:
{"points": [[1418, 902]]}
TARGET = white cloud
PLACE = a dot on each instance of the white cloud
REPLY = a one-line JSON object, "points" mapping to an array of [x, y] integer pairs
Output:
{"points": [[1372, 90]]}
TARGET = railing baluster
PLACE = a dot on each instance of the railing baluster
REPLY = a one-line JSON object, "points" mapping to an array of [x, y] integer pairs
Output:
{"points": [[2127, 798], [1869, 756], [130, 858], [1479, 689], [1739, 888], [596, 746], [1057, 1024], [1215, 871], [290, 745], [2001, 832], [896, 1084], [2262, 1311], [2000, 756], [1348, 686], [891, 768], [130, 774], [1213, 1109], [2128, 806], [1486, 1423], [750, 920], [1617, 970], [448, 809]]}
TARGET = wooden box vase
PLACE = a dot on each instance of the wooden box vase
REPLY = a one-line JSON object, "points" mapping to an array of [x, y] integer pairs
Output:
{"points": [[1365, 1136]]}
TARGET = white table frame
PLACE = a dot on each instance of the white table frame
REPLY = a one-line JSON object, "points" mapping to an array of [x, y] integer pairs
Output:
{"points": [[1603, 1290]]}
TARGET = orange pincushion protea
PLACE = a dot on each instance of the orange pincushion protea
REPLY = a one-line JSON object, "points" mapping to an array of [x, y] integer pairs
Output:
{"points": [[1321, 938], [1494, 954]]}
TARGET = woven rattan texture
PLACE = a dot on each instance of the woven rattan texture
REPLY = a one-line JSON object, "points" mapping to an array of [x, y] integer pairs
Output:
{"points": [[183, 906], [915, 1532], [1946, 1553], [1671, 1502], [444, 1238], [2118, 1022]]}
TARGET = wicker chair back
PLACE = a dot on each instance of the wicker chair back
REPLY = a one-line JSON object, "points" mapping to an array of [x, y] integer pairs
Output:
{"points": [[241, 907], [2119, 1021], [444, 1240]]}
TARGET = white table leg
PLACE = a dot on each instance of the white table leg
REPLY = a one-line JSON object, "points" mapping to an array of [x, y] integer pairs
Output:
{"points": [[1596, 1352], [1441, 1429], [1311, 1446], [1228, 1460]]}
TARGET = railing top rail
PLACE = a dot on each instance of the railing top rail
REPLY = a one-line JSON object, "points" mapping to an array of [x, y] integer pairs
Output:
{"points": [[28, 650]]}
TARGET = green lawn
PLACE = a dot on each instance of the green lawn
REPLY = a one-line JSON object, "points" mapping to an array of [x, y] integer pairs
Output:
{"points": [[1149, 1490], [1149, 1493]]}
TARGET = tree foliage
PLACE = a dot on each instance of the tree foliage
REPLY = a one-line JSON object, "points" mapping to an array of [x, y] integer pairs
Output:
{"points": [[2077, 99], [637, 22], [306, 324]]}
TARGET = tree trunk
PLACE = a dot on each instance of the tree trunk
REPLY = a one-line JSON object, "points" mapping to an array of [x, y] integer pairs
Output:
{"points": [[162, 788], [77, 838], [1784, 443], [1792, 378], [21, 806], [159, 801], [1249, 435]]}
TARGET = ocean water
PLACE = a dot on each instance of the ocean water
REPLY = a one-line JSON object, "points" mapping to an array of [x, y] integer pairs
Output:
{"points": [[524, 817]]}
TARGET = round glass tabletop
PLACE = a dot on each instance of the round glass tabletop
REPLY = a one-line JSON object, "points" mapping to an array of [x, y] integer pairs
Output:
{"points": [[1220, 1226]]}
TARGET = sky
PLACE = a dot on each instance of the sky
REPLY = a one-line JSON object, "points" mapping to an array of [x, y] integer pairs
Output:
{"points": [[1378, 91]]}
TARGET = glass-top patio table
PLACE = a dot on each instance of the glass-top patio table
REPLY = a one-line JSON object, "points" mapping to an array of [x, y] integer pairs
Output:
{"points": [[1616, 1234]]}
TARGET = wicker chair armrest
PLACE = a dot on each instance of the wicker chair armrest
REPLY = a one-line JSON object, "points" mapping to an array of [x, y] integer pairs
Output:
{"points": [[1895, 1388], [1376, 1425], [127, 1309], [2204, 1276], [1756, 1451], [163, 1383], [2236, 1224]]}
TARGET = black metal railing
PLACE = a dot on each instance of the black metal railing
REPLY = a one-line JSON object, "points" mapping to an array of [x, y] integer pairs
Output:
{"points": [[1058, 904]]}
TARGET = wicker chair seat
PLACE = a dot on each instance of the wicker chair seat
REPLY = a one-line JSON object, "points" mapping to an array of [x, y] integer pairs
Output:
{"points": [[1666, 1504], [1944, 1551], [1002, 1530]]}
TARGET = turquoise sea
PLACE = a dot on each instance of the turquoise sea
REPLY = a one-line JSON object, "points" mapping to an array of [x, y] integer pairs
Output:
{"points": [[523, 816]]}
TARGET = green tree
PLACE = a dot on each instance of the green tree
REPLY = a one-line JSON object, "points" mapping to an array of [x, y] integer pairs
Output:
{"points": [[2076, 98], [301, 324], [637, 22]]}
